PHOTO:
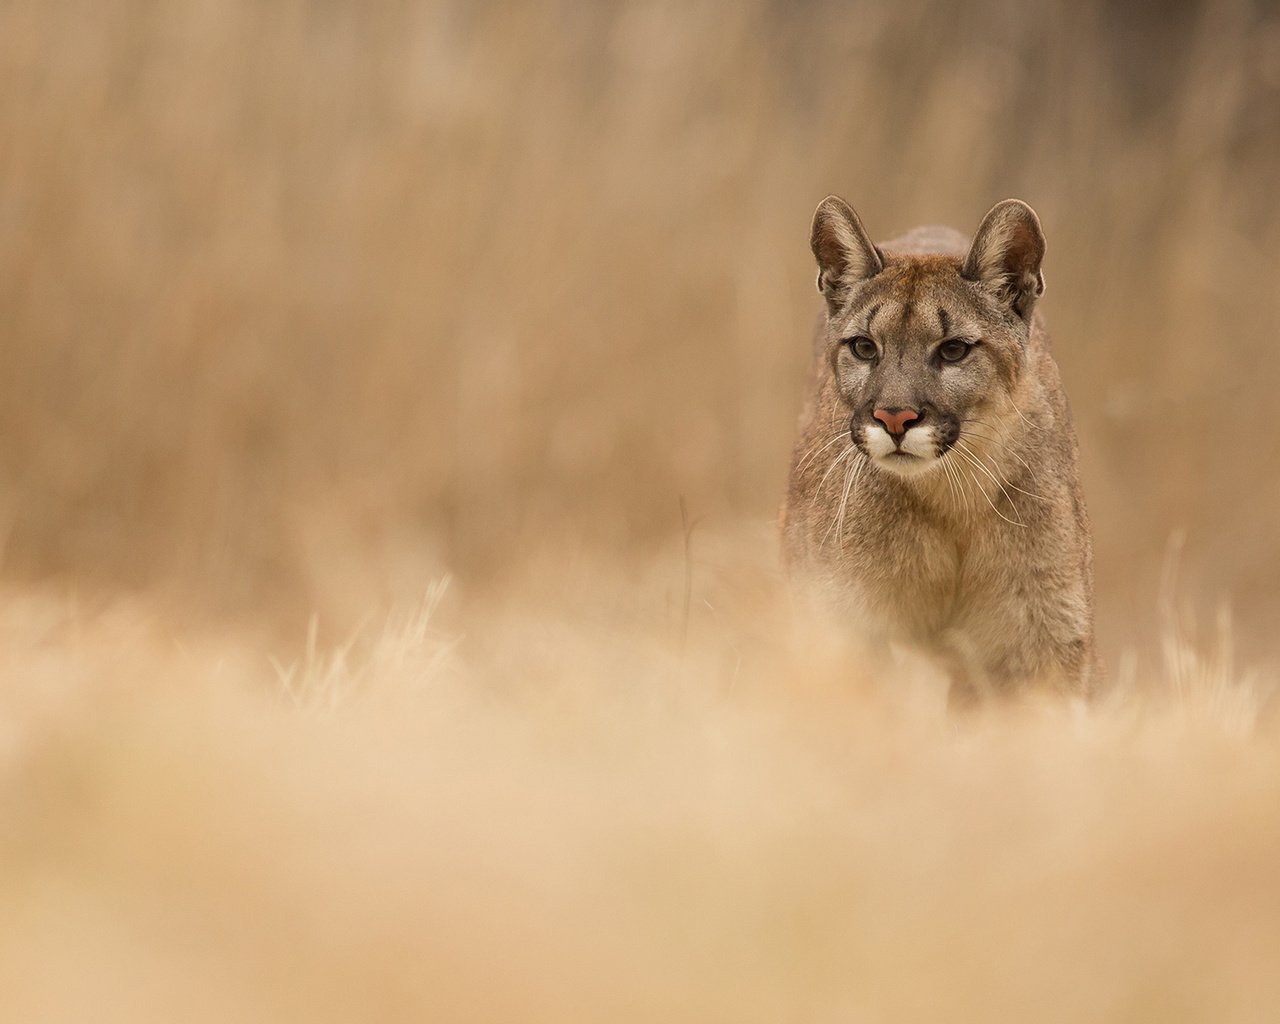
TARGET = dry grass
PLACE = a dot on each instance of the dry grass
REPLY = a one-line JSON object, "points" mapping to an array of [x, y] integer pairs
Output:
{"points": [[563, 830], [306, 306]]}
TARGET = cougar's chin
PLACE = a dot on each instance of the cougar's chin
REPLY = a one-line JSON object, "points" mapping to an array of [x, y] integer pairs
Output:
{"points": [[907, 465]]}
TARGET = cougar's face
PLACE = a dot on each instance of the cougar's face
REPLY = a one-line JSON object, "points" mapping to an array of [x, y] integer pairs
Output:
{"points": [[921, 357]]}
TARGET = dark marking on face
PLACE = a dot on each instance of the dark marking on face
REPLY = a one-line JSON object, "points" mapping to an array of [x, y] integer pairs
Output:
{"points": [[907, 310], [871, 316], [944, 321], [946, 427]]}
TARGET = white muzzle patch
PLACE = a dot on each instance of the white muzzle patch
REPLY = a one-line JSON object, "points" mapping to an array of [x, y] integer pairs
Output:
{"points": [[917, 453]]}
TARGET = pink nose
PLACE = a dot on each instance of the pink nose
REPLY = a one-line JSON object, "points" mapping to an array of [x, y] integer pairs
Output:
{"points": [[895, 420]]}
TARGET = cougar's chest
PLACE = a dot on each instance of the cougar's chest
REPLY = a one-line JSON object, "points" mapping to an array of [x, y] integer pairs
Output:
{"points": [[910, 570]]}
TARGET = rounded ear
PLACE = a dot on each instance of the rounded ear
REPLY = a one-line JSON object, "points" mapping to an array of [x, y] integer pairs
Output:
{"points": [[844, 253], [1006, 254]]}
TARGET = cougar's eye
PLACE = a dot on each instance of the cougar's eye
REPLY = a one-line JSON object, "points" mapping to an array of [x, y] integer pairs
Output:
{"points": [[864, 348], [954, 350]]}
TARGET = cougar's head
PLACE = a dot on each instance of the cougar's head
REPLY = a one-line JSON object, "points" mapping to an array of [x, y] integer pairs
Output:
{"points": [[925, 347]]}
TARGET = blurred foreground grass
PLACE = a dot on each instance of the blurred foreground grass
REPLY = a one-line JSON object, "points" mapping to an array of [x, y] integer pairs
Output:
{"points": [[539, 822]]}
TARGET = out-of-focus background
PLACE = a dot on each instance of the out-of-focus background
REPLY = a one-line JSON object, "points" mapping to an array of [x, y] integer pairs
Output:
{"points": [[308, 305], [302, 303]]}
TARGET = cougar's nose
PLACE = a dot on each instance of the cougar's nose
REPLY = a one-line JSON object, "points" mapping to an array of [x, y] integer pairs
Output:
{"points": [[896, 421]]}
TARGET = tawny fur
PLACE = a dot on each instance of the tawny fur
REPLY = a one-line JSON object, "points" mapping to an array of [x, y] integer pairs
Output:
{"points": [[980, 556]]}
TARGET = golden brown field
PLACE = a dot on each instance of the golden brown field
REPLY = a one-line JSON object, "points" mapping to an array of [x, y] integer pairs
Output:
{"points": [[395, 404]]}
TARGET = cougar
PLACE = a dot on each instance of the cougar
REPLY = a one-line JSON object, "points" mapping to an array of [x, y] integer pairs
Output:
{"points": [[934, 498]]}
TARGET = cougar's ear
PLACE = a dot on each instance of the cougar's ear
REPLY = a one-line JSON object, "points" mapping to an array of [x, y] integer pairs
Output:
{"points": [[844, 253], [1006, 254]]}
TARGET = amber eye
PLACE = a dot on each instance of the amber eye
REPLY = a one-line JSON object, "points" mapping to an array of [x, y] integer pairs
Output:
{"points": [[864, 348], [954, 350]]}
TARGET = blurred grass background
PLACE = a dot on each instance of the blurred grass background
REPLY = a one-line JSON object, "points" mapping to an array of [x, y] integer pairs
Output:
{"points": [[305, 306], [304, 302]]}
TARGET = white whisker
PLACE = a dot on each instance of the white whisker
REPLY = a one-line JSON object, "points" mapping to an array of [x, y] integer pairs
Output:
{"points": [[817, 492], [1023, 418], [1003, 443], [851, 480], [974, 460], [951, 487], [815, 452], [838, 516], [985, 496], [961, 481], [982, 453]]}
